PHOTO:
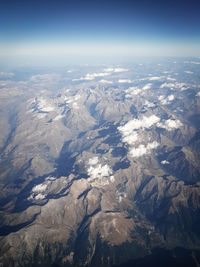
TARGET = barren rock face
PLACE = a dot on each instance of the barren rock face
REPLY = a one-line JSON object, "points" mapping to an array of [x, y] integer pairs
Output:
{"points": [[101, 174]]}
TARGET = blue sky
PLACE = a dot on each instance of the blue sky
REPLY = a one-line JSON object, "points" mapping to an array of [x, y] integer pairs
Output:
{"points": [[145, 27]]}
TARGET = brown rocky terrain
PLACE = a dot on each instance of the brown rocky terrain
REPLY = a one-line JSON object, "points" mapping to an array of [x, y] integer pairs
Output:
{"points": [[97, 174]]}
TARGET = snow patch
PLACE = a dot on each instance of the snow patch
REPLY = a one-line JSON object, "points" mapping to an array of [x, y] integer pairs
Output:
{"points": [[75, 105], [42, 105], [59, 117]]}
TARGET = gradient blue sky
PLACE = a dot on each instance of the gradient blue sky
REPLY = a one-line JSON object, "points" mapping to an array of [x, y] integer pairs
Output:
{"points": [[145, 27]]}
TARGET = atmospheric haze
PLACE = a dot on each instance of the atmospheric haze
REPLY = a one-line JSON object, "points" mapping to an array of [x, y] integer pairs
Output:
{"points": [[100, 135]]}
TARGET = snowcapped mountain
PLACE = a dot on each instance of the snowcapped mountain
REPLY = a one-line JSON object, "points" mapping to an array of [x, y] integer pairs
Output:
{"points": [[100, 168]]}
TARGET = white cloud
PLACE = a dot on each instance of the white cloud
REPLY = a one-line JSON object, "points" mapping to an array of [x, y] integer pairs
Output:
{"points": [[167, 100], [168, 85], [99, 174], [124, 81], [192, 62], [39, 188], [147, 86], [181, 86], [6, 75], [195, 62], [106, 81], [130, 138], [149, 104], [109, 69], [38, 191], [92, 76], [171, 79], [152, 145], [5, 83], [164, 162], [45, 77], [132, 91], [155, 78], [198, 94], [145, 122], [98, 171], [40, 196], [120, 70], [170, 124], [161, 97], [142, 149], [50, 178], [93, 161], [112, 179], [116, 70], [188, 72], [170, 97]]}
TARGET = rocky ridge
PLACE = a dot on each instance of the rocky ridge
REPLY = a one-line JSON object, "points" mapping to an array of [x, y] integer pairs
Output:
{"points": [[95, 169]]}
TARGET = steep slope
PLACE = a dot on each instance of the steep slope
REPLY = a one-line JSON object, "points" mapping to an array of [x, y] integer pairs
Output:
{"points": [[97, 174]]}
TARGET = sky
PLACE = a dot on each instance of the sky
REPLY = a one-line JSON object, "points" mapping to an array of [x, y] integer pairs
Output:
{"points": [[105, 28]]}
